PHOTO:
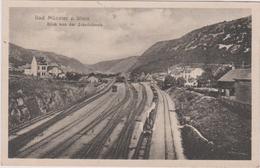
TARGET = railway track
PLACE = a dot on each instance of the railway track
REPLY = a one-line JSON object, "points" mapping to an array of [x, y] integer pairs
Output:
{"points": [[143, 146], [59, 149], [120, 148], [93, 149], [83, 101], [168, 134], [17, 143], [59, 132]]}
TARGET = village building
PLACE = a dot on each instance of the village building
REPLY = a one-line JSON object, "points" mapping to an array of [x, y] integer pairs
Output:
{"points": [[186, 72], [196, 72], [236, 84], [38, 68], [159, 76], [92, 79], [27, 69], [54, 70], [243, 90], [193, 83], [189, 74], [84, 79], [61, 75], [148, 77]]}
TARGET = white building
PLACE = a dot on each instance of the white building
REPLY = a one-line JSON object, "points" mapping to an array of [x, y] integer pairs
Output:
{"points": [[196, 72], [92, 79], [186, 72], [27, 71], [39, 67], [54, 70]]}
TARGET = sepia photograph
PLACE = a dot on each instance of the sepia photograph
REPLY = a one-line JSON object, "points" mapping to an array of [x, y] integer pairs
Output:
{"points": [[130, 83]]}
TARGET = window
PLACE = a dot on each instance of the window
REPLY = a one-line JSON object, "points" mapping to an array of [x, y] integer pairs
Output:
{"points": [[38, 67], [43, 68]]}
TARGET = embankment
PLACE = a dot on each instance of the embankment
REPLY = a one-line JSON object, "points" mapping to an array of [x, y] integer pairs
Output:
{"points": [[30, 97], [228, 135]]}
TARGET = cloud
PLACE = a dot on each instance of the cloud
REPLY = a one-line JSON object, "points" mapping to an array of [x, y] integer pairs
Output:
{"points": [[124, 32]]}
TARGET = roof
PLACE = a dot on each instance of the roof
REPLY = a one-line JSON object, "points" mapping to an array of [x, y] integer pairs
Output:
{"points": [[92, 77], [41, 61], [51, 67], [230, 76]]}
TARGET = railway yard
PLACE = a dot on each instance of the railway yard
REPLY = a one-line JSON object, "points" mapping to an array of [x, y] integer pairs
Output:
{"points": [[121, 121]]}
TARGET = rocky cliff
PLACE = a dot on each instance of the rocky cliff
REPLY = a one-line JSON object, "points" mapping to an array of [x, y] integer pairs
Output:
{"points": [[29, 98]]}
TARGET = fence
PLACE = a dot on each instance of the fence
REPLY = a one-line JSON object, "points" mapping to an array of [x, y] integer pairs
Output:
{"points": [[238, 107]]}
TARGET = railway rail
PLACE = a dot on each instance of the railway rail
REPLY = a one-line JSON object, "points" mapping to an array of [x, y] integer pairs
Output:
{"points": [[143, 146], [17, 143], [120, 148], [168, 134], [83, 100], [104, 116], [58, 133], [94, 147], [59, 149], [144, 142]]}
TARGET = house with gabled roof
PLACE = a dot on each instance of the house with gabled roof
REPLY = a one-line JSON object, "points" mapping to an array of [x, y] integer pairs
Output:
{"points": [[236, 84], [39, 67], [148, 77]]}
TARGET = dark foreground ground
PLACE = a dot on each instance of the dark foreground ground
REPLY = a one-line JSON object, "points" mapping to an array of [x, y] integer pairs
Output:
{"points": [[229, 132]]}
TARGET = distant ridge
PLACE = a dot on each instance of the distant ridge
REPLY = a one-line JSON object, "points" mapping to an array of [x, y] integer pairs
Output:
{"points": [[224, 42], [19, 56], [115, 66]]}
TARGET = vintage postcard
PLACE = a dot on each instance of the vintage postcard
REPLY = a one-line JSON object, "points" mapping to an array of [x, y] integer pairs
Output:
{"points": [[131, 84]]}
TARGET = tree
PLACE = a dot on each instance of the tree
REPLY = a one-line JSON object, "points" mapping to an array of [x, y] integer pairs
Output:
{"points": [[180, 82], [207, 78], [73, 76], [169, 81]]}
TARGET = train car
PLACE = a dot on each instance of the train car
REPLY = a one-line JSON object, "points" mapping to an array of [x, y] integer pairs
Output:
{"points": [[114, 88]]}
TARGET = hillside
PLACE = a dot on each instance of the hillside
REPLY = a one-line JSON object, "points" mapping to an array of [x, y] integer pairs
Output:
{"points": [[229, 131], [19, 56], [115, 66], [225, 42]]}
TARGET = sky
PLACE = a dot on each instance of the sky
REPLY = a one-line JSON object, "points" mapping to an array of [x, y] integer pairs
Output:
{"points": [[109, 33]]}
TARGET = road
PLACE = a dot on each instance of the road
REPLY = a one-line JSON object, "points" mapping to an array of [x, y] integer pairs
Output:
{"points": [[110, 126]]}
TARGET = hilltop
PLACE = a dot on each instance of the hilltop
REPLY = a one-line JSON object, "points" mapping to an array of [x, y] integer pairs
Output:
{"points": [[221, 43], [115, 66], [19, 56], [226, 42]]}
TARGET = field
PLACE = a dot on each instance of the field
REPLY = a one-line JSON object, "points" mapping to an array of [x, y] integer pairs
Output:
{"points": [[229, 132]]}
